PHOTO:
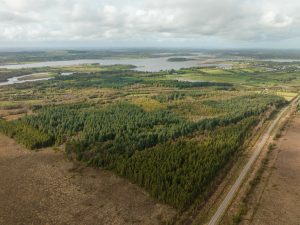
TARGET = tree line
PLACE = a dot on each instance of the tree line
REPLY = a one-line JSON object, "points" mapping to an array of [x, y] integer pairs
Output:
{"points": [[23, 133]]}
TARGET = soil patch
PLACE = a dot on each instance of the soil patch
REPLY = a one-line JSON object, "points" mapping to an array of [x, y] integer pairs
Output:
{"points": [[45, 188], [280, 201]]}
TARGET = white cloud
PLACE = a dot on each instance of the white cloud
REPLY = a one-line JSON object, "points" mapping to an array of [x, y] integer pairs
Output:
{"points": [[278, 20], [156, 20]]}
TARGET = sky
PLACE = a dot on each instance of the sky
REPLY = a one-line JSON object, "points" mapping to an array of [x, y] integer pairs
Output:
{"points": [[150, 23]]}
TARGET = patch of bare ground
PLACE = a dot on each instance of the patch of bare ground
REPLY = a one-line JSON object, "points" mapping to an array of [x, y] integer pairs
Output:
{"points": [[45, 188], [14, 114], [271, 193], [279, 202]]}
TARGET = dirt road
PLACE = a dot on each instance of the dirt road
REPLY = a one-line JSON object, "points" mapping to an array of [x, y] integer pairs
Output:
{"points": [[45, 188]]}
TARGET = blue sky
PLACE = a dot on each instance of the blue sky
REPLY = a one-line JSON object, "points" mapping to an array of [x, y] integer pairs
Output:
{"points": [[168, 23]]}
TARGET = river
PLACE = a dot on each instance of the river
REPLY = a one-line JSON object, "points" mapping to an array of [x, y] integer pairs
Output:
{"points": [[19, 80]]}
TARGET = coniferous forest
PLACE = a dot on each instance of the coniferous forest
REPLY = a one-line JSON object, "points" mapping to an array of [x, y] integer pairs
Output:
{"points": [[155, 149]]}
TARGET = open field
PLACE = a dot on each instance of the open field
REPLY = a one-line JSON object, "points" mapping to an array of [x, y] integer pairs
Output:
{"points": [[278, 201], [45, 188]]}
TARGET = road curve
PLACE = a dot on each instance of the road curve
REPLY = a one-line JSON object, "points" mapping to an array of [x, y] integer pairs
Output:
{"points": [[237, 184]]}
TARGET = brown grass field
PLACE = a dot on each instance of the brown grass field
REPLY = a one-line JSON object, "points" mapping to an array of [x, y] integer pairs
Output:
{"points": [[278, 199], [45, 188]]}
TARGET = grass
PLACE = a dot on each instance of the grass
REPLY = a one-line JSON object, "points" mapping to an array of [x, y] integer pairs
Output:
{"points": [[148, 104], [37, 76], [215, 71], [288, 95], [232, 78], [244, 207], [193, 110], [253, 76]]}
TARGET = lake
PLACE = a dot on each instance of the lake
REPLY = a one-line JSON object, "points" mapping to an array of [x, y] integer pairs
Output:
{"points": [[143, 64]]}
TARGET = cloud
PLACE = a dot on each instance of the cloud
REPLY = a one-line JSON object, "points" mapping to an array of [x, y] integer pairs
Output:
{"points": [[277, 20], [156, 20]]}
